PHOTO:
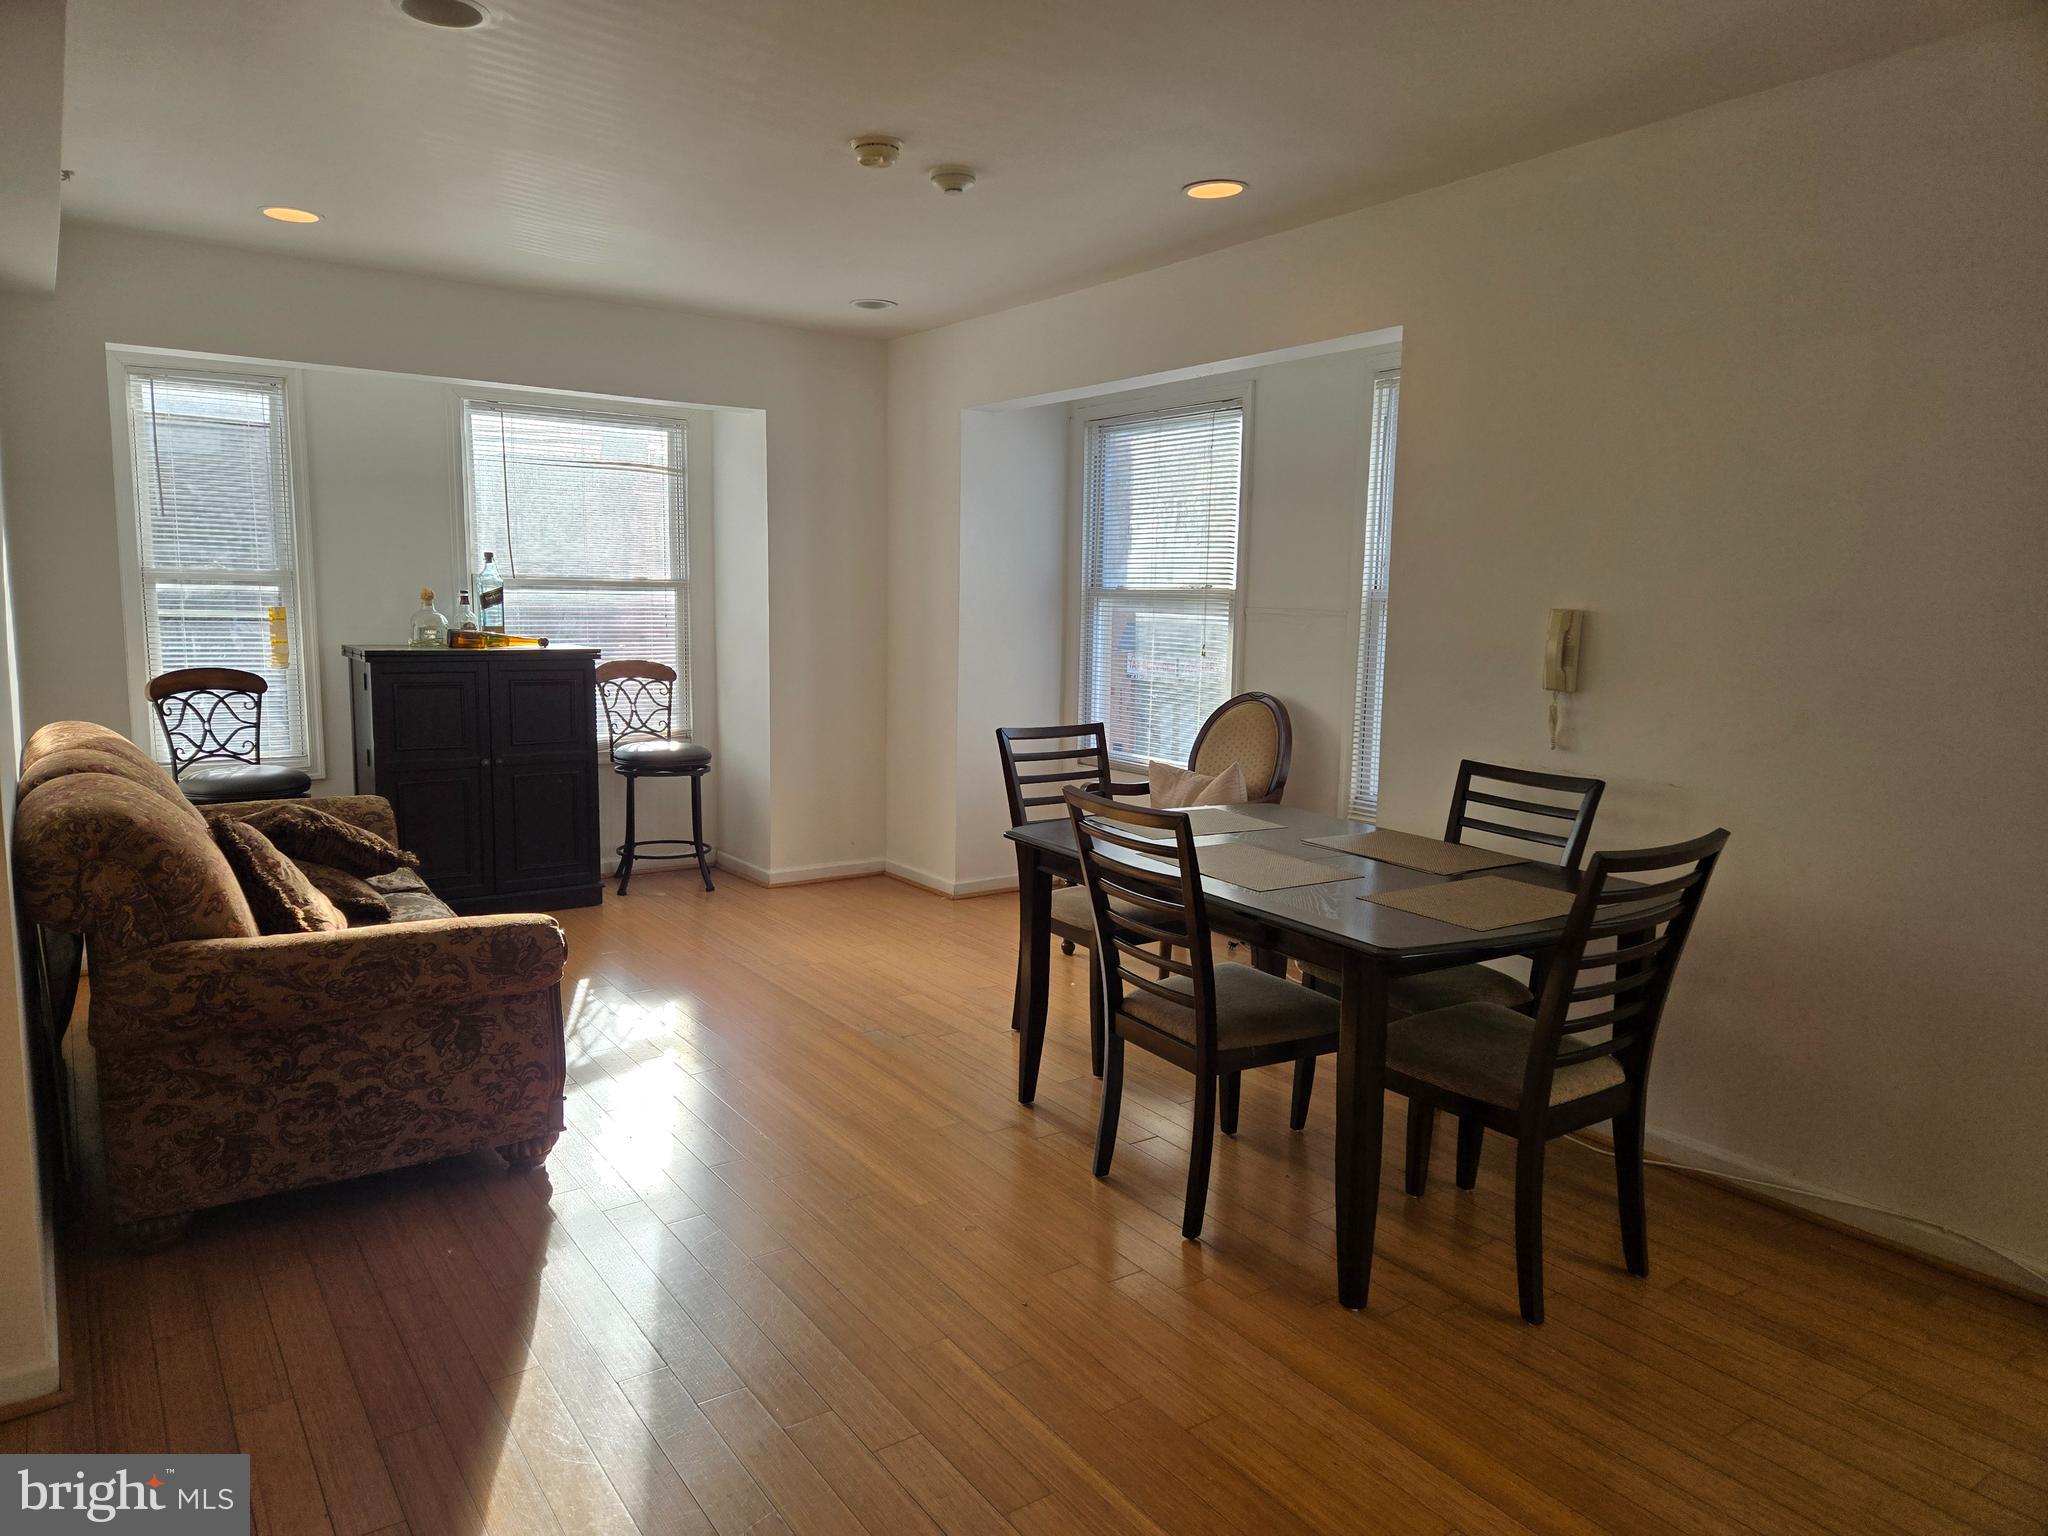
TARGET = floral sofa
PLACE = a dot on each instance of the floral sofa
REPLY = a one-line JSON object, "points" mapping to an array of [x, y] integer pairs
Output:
{"points": [[231, 1064]]}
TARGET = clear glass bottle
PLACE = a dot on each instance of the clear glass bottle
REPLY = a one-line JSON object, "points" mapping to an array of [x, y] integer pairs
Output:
{"points": [[465, 616], [429, 628], [490, 595]]}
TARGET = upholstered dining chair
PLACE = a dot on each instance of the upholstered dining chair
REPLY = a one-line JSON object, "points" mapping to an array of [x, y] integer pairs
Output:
{"points": [[1584, 1058], [639, 713], [212, 724], [1215, 1021], [1253, 731], [1038, 764]]}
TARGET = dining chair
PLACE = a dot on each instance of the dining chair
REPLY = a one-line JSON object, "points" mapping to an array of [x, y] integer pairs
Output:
{"points": [[1033, 780], [1584, 1058], [212, 724], [1253, 731], [639, 698], [1216, 1021]]}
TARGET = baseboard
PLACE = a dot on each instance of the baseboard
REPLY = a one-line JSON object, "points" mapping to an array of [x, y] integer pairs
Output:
{"points": [[939, 885], [1948, 1250], [799, 874]]}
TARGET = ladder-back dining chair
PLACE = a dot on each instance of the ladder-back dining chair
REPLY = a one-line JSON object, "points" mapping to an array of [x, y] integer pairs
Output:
{"points": [[212, 724], [1215, 1021], [639, 700], [1584, 1058], [1253, 731]]}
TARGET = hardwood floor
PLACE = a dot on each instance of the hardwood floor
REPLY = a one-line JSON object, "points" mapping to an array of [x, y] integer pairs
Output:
{"points": [[802, 1263]]}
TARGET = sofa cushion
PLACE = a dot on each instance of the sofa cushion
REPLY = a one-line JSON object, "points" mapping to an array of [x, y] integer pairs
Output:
{"points": [[356, 899], [408, 897], [304, 831], [280, 895]]}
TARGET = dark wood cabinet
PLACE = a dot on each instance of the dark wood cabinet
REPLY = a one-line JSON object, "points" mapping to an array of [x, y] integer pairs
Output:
{"points": [[489, 760]]}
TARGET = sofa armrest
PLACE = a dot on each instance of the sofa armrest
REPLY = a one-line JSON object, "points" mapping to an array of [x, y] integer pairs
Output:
{"points": [[372, 813], [280, 980]]}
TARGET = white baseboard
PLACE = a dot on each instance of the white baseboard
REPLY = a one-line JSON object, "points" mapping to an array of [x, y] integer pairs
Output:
{"points": [[29, 1380], [1948, 1247], [940, 885], [800, 874]]}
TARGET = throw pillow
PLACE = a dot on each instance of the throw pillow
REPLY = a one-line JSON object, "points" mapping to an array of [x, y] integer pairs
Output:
{"points": [[358, 900], [321, 837], [1174, 787], [283, 900]]}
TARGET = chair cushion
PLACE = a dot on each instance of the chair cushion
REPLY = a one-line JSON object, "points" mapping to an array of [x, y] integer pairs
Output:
{"points": [[280, 895], [1481, 1050], [305, 831], [220, 783], [1070, 907], [1252, 1009], [1436, 989], [1173, 788], [661, 756]]}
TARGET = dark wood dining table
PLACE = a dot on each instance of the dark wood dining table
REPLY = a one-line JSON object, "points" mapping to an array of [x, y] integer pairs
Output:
{"points": [[1328, 925]]}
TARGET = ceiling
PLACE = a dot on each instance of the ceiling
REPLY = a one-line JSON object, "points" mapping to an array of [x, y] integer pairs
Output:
{"points": [[695, 151]]}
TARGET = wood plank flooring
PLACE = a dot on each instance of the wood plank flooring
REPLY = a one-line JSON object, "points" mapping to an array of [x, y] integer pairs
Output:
{"points": [[803, 1264]]}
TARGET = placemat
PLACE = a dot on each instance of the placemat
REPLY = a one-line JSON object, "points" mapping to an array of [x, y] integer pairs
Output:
{"points": [[1204, 820], [1431, 855], [1486, 903], [1261, 869]]}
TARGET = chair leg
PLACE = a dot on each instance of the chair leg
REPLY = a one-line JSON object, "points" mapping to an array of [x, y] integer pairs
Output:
{"points": [[1529, 1148], [1304, 1085], [1112, 1102], [1471, 1137], [626, 849], [1199, 1150], [1232, 1086], [1421, 1132], [697, 828], [1628, 1181], [1094, 1014]]}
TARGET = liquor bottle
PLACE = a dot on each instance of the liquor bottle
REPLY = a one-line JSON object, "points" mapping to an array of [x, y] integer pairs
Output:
{"points": [[429, 628], [490, 595], [465, 616]]}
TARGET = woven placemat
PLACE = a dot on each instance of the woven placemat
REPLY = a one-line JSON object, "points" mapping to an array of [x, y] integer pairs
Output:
{"points": [[1205, 820], [1431, 855], [1485, 903], [1261, 869]]}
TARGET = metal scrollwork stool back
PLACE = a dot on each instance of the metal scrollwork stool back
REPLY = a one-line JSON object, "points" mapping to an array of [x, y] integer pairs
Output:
{"points": [[639, 714], [212, 722]]}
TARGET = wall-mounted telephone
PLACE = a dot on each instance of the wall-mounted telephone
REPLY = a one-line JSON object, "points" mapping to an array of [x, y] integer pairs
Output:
{"points": [[1561, 659]]}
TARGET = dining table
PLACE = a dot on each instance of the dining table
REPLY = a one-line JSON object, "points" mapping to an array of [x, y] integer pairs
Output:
{"points": [[1328, 924]]}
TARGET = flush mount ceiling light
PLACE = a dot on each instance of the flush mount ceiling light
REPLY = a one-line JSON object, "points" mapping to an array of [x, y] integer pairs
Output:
{"points": [[458, 14], [874, 303], [291, 215], [876, 151], [1210, 190]]}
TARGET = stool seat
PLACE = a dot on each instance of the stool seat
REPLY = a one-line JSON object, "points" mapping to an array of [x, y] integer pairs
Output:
{"points": [[660, 756], [221, 783]]}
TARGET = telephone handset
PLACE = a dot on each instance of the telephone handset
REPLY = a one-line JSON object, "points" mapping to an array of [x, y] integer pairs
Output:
{"points": [[1561, 659]]}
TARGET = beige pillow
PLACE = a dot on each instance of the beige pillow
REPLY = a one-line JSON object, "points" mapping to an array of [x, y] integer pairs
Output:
{"points": [[1175, 787]]}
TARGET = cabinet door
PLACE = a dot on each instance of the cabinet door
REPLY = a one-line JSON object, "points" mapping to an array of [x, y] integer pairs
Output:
{"points": [[444, 817], [431, 714], [540, 709], [545, 815]]}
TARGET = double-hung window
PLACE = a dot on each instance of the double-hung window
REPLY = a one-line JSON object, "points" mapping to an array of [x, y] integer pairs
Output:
{"points": [[217, 539], [587, 516], [1161, 502], [1372, 600]]}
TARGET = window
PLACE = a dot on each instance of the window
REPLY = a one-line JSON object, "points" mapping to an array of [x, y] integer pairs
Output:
{"points": [[217, 538], [1372, 600], [588, 516], [1161, 500]]}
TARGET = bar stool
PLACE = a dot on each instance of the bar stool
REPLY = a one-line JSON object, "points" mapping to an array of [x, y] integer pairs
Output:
{"points": [[639, 713], [212, 720]]}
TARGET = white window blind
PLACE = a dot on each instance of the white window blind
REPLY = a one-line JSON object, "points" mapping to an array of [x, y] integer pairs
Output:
{"points": [[1372, 602], [1161, 504], [218, 539], [588, 516]]}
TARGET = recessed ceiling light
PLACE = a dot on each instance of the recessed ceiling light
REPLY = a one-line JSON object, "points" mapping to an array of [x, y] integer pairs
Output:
{"points": [[874, 303], [1208, 191], [445, 13], [291, 215]]}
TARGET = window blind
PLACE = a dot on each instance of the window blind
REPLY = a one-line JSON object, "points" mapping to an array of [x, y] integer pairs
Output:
{"points": [[588, 516], [1161, 503], [1372, 602], [217, 536]]}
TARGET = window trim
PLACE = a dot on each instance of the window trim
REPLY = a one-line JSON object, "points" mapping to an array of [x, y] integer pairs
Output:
{"points": [[121, 362], [1382, 366], [689, 629], [1084, 417]]}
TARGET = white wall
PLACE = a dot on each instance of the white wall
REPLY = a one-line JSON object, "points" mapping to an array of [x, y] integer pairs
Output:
{"points": [[1760, 387], [820, 395]]}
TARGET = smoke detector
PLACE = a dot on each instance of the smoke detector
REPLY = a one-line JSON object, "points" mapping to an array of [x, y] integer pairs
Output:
{"points": [[876, 151], [952, 179]]}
